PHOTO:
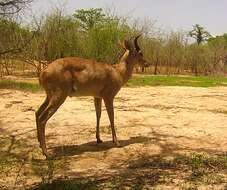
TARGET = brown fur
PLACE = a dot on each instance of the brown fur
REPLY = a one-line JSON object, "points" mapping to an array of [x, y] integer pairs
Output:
{"points": [[73, 76]]}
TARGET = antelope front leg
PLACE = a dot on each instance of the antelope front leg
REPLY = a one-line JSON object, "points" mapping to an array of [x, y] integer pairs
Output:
{"points": [[98, 109], [110, 112]]}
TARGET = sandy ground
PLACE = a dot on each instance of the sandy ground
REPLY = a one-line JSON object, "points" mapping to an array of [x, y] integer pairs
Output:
{"points": [[151, 122]]}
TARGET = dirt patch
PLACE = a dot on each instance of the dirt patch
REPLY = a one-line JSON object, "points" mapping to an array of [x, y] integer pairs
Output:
{"points": [[156, 126]]}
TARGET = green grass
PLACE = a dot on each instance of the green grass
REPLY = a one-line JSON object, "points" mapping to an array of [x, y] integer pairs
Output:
{"points": [[10, 84], [137, 80], [67, 185], [197, 169], [204, 168], [200, 81]]}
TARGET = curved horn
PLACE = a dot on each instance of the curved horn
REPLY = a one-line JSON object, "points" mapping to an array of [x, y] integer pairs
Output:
{"points": [[136, 43]]}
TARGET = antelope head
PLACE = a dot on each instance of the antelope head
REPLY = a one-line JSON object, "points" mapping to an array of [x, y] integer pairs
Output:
{"points": [[134, 53]]}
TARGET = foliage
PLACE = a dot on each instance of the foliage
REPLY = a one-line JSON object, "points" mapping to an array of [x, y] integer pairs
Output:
{"points": [[13, 34], [199, 33], [102, 41], [10, 7], [14, 37], [57, 37], [90, 33], [61, 36], [88, 18]]}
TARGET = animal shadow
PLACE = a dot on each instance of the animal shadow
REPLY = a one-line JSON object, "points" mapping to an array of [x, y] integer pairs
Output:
{"points": [[71, 150]]}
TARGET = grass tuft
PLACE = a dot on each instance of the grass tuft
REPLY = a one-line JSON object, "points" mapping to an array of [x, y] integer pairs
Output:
{"points": [[67, 185], [193, 81], [136, 81], [26, 86]]}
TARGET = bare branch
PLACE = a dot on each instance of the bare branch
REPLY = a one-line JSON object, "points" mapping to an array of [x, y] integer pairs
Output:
{"points": [[20, 48], [9, 7]]}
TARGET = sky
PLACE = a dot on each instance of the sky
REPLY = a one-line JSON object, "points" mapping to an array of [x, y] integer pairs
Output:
{"points": [[166, 14]]}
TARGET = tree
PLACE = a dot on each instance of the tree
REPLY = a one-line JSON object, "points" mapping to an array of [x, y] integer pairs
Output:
{"points": [[199, 33], [218, 46], [10, 7], [88, 18], [13, 41], [16, 38], [57, 37], [214, 41]]}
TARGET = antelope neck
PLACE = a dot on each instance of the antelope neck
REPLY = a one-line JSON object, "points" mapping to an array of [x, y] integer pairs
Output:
{"points": [[125, 67]]}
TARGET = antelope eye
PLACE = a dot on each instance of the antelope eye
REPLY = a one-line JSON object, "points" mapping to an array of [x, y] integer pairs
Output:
{"points": [[140, 53]]}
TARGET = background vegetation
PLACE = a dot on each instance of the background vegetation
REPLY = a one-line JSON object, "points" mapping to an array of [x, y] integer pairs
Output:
{"points": [[94, 34]]}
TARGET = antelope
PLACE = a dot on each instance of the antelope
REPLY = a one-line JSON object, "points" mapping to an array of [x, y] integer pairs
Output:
{"points": [[74, 76]]}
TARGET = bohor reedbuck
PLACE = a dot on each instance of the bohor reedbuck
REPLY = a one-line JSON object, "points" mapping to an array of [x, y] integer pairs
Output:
{"points": [[74, 76]]}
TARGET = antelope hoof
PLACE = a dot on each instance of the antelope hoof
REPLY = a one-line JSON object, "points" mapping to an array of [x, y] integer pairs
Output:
{"points": [[44, 151], [117, 143], [40, 145], [48, 157], [99, 141]]}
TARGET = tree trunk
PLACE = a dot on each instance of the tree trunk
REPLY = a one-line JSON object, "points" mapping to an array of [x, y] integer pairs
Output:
{"points": [[156, 67]]}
